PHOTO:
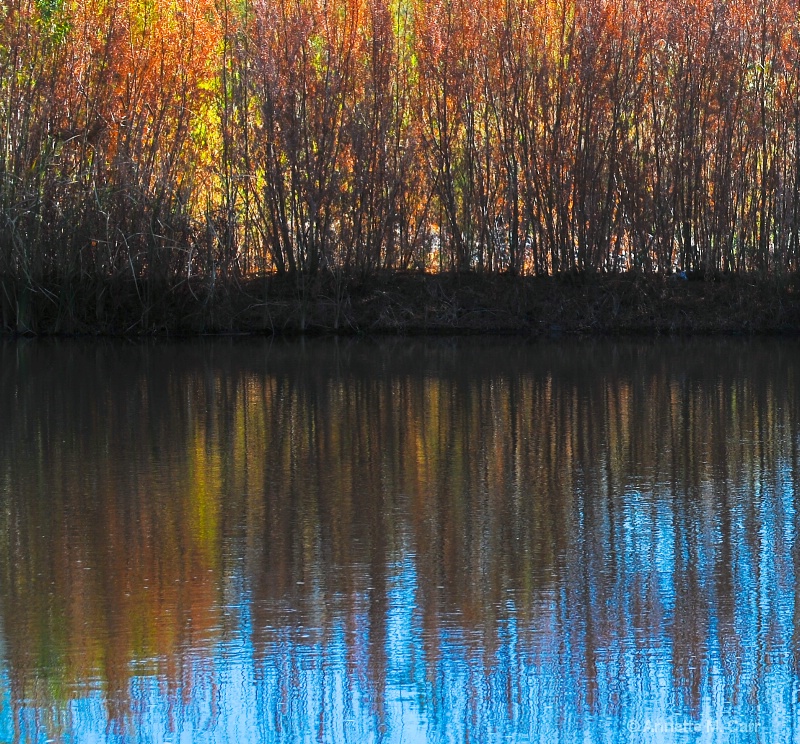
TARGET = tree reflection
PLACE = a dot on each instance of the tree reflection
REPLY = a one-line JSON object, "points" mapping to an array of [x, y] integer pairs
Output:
{"points": [[469, 539]]}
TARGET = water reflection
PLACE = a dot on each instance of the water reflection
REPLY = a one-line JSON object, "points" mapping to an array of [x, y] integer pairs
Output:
{"points": [[399, 541]]}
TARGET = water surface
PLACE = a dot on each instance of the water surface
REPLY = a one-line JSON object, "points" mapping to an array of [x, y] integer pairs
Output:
{"points": [[400, 541]]}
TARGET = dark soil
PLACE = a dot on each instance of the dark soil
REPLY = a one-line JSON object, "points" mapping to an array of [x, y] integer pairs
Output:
{"points": [[410, 303]]}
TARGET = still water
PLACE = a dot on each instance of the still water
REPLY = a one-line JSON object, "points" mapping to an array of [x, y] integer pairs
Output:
{"points": [[400, 541]]}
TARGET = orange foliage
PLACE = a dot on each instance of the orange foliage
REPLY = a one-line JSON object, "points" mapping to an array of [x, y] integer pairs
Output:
{"points": [[300, 135]]}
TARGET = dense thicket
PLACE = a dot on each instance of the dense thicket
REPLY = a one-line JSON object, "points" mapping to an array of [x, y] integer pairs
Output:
{"points": [[164, 140]]}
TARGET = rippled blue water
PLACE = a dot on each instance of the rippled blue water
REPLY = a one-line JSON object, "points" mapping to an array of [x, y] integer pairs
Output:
{"points": [[400, 541]]}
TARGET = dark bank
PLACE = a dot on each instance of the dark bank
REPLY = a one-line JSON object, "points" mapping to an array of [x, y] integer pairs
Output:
{"points": [[412, 303]]}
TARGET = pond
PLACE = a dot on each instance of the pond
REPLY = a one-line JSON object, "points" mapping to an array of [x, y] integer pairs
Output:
{"points": [[400, 541]]}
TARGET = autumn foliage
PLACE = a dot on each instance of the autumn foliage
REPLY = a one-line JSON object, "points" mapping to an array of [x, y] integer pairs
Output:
{"points": [[166, 142]]}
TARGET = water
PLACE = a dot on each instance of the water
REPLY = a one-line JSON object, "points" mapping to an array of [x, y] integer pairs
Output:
{"points": [[400, 541]]}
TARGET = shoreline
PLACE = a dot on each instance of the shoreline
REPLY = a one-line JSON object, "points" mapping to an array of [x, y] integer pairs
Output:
{"points": [[410, 303]]}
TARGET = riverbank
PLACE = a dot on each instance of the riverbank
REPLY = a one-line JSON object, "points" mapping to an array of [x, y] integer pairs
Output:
{"points": [[411, 303]]}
